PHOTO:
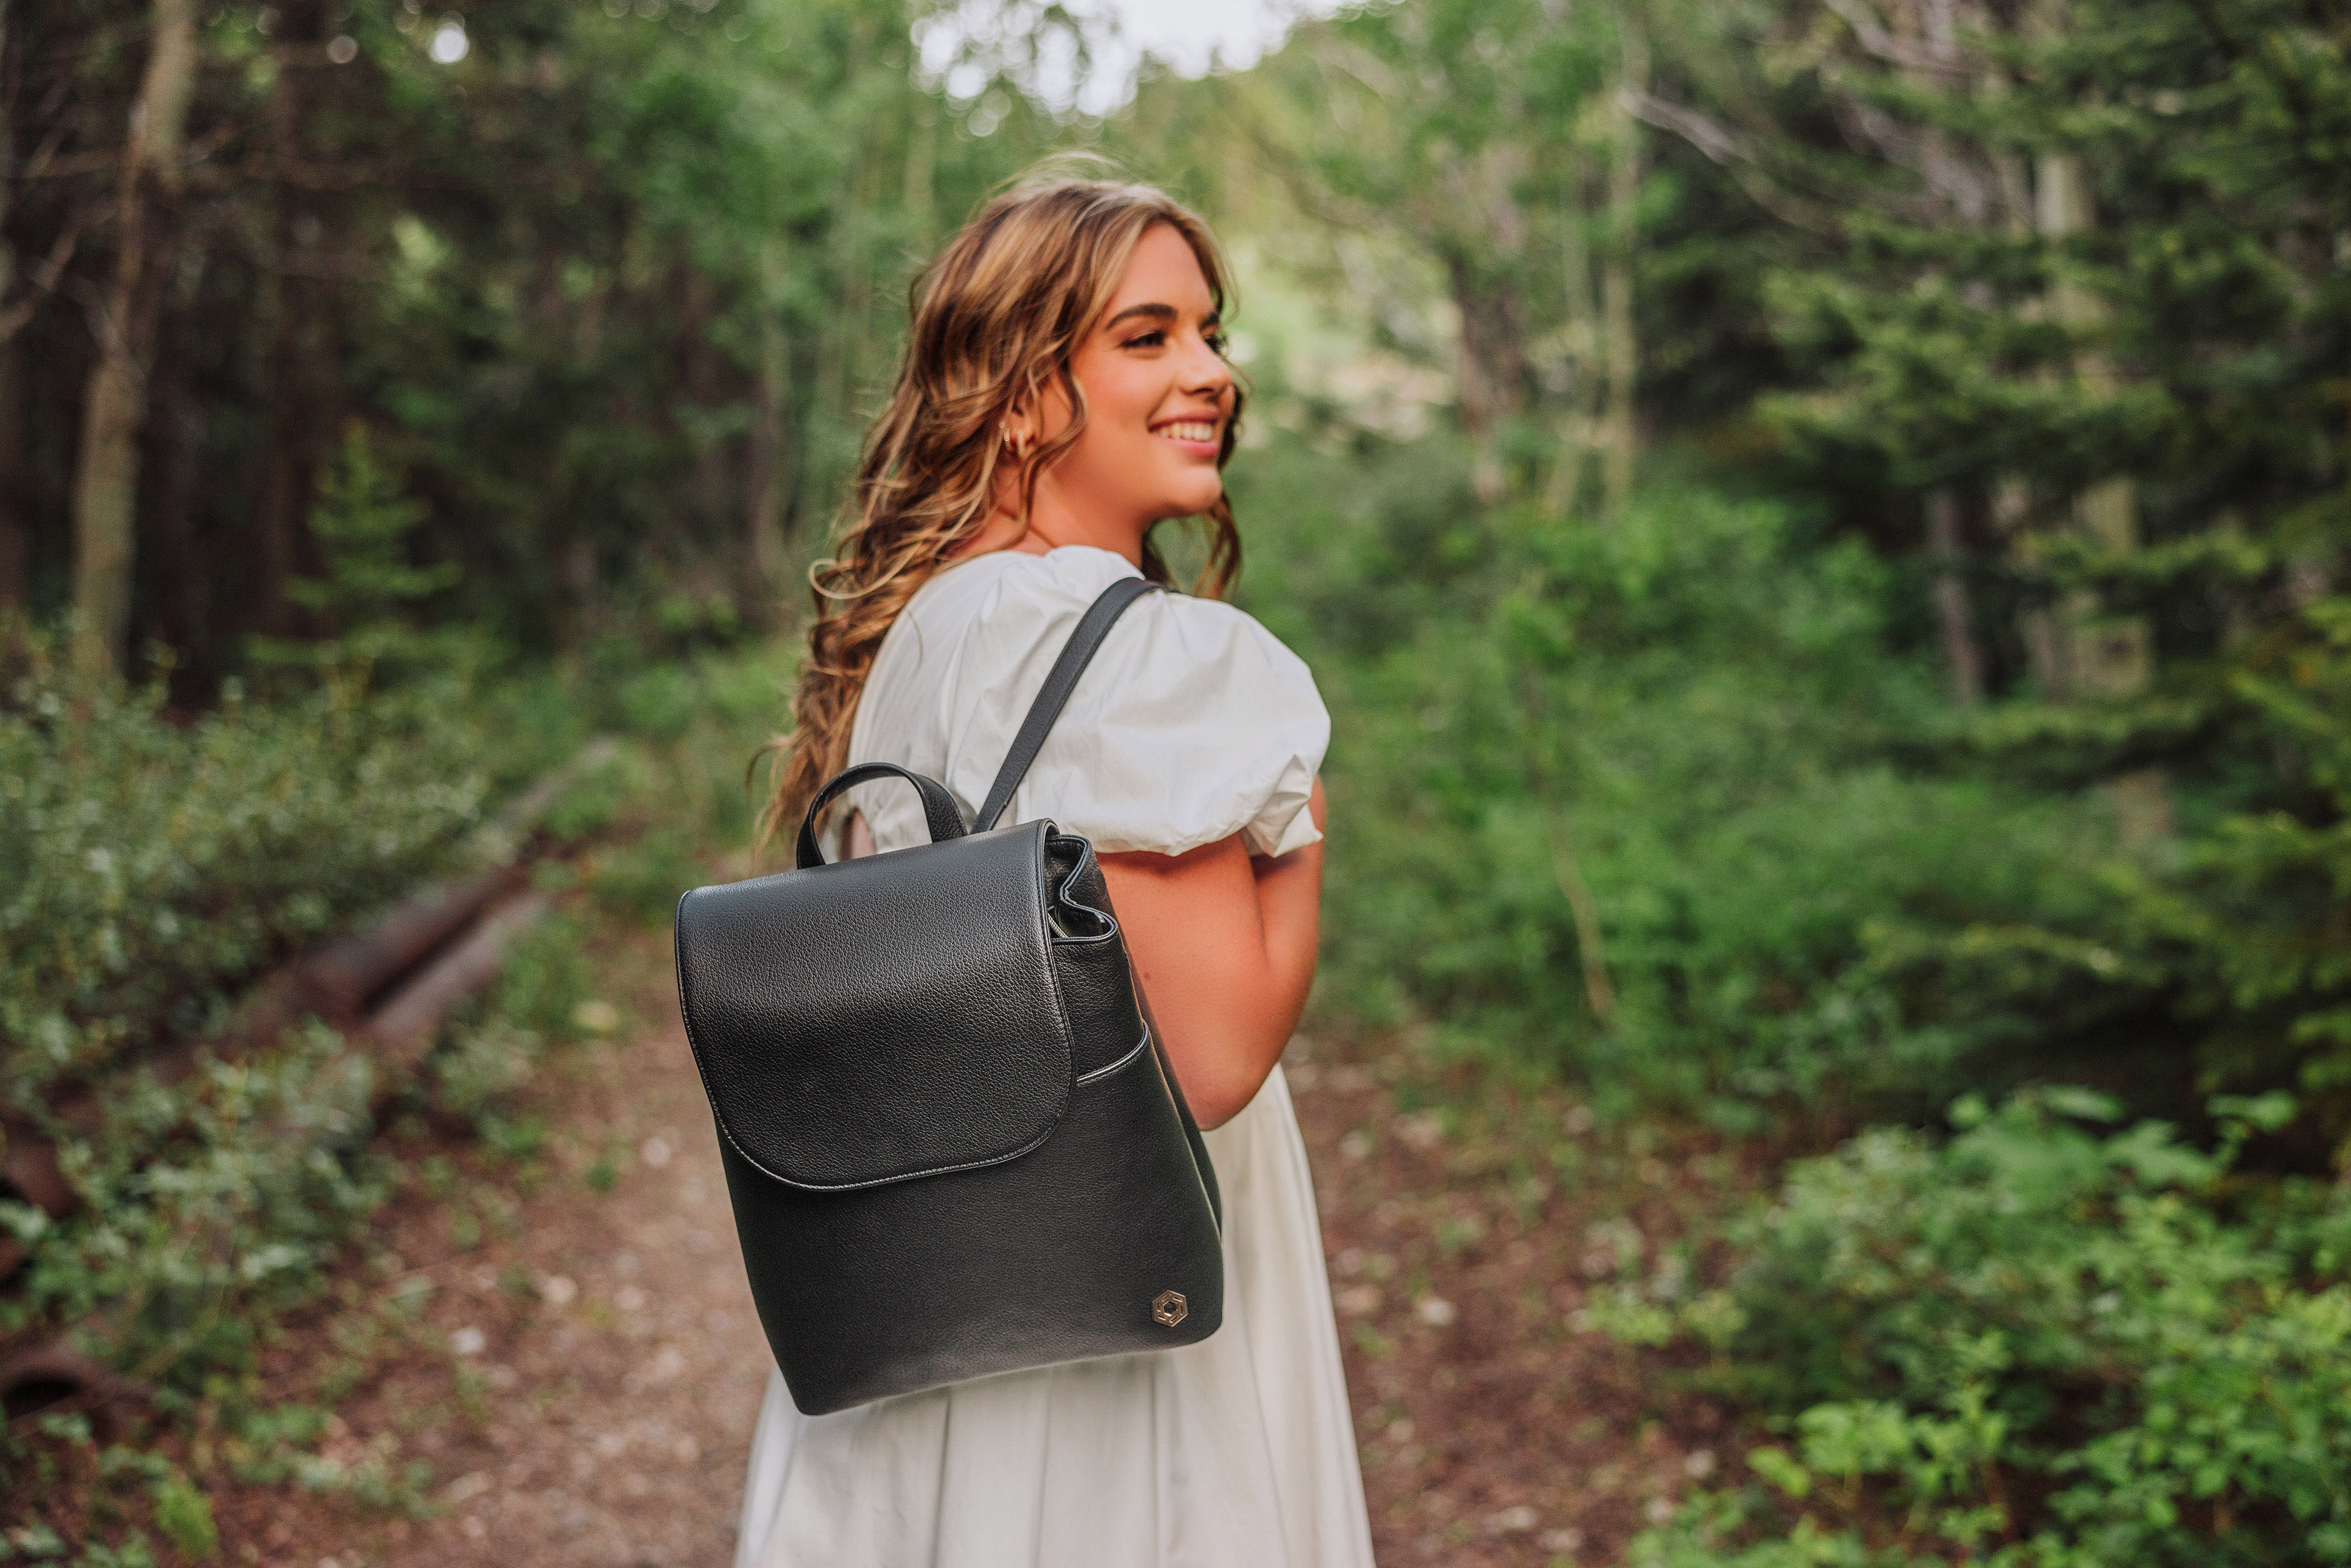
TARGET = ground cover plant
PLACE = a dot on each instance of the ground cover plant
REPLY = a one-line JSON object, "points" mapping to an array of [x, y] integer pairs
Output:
{"points": [[2049, 1340], [209, 1210]]}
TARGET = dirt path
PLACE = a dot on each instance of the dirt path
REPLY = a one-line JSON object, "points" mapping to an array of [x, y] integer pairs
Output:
{"points": [[582, 1379], [1462, 1243], [579, 1383]]}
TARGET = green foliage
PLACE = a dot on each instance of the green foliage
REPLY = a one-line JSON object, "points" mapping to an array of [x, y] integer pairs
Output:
{"points": [[480, 1070], [208, 1207], [371, 595], [1686, 718], [2232, 939], [149, 867], [2039, 1344], [183, 1515], [157, 863], [158, 867], [687, 781], [547, 976], [642, 881], [2105, 276]]}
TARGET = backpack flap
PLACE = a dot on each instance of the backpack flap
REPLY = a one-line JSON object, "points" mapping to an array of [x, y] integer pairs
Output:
{"points": [[879, 1020]]}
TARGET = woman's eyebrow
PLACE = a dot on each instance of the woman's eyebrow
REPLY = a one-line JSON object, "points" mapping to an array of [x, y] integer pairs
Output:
{"points": [[1208, 323], [1163, 312]]}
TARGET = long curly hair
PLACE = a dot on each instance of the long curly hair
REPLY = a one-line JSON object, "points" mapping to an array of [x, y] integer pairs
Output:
{"points": [[994, 320]]}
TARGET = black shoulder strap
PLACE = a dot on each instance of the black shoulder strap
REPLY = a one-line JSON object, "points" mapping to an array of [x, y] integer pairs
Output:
{"points": [[1059, 681]]}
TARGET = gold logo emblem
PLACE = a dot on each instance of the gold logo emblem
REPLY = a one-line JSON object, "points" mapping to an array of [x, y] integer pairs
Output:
{"points": [[1168, 1307]]}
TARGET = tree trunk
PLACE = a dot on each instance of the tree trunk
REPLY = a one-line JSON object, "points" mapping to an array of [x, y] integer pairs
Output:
{"points": [[1954, 618], [15, 523], [771, 482], [16, 537], [699, 375], [1619, 436], [106, 480], [1580, 420], [304, 388], [2108, 656], [1492, 368], [2036, 624], [175, 584]]}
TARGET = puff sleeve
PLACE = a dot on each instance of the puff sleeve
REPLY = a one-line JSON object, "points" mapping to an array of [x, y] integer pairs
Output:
{"points": [[1193, 722]]}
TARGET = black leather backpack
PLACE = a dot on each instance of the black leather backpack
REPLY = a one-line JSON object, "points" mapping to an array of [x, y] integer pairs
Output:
{"points": [[953, 1142]]}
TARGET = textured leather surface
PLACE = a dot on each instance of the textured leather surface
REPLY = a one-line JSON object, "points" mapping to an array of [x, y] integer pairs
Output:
{"points": [[1085, 639], [1056, 1256], [882, 1018], [1097, 986]]}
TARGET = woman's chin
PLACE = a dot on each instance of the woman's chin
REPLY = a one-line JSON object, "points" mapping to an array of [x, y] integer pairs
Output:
{"points": [[1190, 500]]}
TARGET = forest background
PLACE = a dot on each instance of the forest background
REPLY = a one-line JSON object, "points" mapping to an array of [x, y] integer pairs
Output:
{"points": [[1823, 525]]}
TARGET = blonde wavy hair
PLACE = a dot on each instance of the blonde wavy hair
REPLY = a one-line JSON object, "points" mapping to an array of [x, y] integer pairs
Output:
{"points": [[994, 320]]}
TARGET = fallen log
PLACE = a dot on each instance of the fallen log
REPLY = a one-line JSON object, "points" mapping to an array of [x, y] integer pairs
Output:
{"points": [[401, 1032], [80, 1382], [334, 983], [396, 1036], [339, 980]]}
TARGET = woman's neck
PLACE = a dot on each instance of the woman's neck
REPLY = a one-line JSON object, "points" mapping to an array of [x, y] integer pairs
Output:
{"points": [[1054, 522]]}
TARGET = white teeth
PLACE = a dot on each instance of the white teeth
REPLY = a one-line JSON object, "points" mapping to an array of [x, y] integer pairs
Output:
{"points": [[1189, 430]]}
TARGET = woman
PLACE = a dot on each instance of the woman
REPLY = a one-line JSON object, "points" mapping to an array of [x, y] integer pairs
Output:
{"points": [[1064, 390]]}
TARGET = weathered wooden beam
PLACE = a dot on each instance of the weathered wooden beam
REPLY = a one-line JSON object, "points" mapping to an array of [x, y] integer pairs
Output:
{"points": [[88, 1382], [334, 982], [338, 981], [400, 1032]]}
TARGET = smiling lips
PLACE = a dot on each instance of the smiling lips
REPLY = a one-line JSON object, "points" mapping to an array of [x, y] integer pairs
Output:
{"points": [[1201, 430]]}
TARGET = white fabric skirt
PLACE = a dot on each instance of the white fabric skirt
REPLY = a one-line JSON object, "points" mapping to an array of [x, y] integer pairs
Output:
{"points": [[1236, 1452]]}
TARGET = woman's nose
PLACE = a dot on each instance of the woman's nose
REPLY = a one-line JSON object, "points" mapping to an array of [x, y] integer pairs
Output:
{"points": [[1205, 370]]}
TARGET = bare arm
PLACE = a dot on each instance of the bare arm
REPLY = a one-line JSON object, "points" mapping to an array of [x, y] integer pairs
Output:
{"points": [[1224, 946]]}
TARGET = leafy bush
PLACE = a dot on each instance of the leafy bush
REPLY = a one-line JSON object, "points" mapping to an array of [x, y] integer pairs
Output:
{"points": [[1676, 803], [208, 1207], [547, 975], [1627, 805], [148, 867], [2036, 1345], [685, 783], [483, 1066], [151, 867]]}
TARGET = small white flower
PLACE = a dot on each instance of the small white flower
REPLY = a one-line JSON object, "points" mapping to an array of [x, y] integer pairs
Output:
{"points": [[1514, 1520]]}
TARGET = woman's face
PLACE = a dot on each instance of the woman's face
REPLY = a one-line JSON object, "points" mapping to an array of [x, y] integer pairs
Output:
{"points": [[1158, 397]]}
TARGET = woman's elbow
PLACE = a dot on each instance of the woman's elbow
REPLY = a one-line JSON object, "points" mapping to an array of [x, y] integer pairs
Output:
{"points": [[1216, 1097]]}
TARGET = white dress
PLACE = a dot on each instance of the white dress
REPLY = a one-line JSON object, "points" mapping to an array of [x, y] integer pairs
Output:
{"points": [[1193, 723]]}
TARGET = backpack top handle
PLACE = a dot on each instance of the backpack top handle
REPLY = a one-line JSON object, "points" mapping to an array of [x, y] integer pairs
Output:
{"points": [[938, 806]]}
